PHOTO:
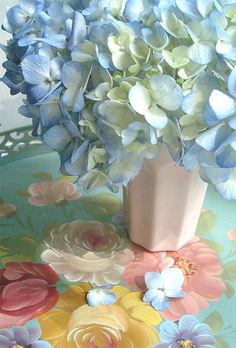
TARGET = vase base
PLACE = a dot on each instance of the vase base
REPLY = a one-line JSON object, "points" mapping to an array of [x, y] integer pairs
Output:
{"points": [[163, 204]]}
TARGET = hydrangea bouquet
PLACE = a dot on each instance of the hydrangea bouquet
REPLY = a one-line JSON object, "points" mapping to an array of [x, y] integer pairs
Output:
{"points": [[108, 81]]}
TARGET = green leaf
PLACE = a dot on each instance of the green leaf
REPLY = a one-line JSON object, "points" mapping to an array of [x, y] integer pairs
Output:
{"points": [[206, 222], [18, 248], [215, 321], [64, 178], [220, 343], [22, 193], [43, 176], [214, 245], [101, 206], [229, 271], [51, 225], [229, 291]]}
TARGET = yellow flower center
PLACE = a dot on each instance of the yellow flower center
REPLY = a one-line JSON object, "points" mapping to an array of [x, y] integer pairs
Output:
{"points": [[17, 346], [186, 344], [188, 268]]}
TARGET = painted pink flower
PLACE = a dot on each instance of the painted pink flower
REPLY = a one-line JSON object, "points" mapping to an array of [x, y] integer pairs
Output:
{"points": [[145, 262], [27, 290], [47, 192], [200, 266], [231, 234], [6, 210]]}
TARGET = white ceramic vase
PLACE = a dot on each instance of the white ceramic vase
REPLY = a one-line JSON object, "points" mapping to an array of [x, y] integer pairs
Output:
{"points": [[163, 204]]}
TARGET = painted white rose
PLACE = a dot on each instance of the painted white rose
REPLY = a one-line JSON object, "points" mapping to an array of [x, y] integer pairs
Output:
{"points": [[89, 251]]}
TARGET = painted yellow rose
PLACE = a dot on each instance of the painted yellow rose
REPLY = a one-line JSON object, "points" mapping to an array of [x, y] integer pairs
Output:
{"points": [[129, 323]]}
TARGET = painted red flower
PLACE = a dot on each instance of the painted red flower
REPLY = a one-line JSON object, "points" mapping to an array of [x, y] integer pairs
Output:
{"points": [[27, 290]]}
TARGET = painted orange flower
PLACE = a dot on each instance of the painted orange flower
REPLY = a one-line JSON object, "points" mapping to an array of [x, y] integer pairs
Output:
{"points": [[200, 267], [47, 192], [26, 291]]}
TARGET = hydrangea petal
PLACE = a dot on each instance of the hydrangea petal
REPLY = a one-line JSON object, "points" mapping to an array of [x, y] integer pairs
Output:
{"points": [[232, 83], [222, 105], [100, 297], [16, 17], [156, 117], [150, 295], [175, 293], [161, 302], [133, 9], [153, 280], [79, 30], [74, 74], [157, 39], [213, 138], [204, 6], [36, 69], [226, 157], [125, 168], [29, 6], [173, 278], [57, 137], [140, 99], [202, 52], [166, 92], [116, 114], [189, 8], [50, 114], [227, 189], [37, 93], [232, 123]]}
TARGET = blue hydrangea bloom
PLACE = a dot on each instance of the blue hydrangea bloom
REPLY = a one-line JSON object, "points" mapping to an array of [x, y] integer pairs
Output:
{"points": [[108, 82], [162, 287], [101, 296]]}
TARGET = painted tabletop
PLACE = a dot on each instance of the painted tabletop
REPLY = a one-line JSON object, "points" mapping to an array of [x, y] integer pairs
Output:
{"points": [[64, 252]]}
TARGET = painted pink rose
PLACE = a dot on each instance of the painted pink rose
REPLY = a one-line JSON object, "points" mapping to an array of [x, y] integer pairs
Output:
{"points": [[27, 290], [231, 234], [201, 269], [47, 192]]}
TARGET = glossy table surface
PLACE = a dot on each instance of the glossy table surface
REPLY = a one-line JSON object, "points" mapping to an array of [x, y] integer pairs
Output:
{"points": [[36, 200]]}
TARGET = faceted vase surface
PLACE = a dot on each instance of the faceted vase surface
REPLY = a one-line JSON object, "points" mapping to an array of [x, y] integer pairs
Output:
{"points": [[163, 204]]}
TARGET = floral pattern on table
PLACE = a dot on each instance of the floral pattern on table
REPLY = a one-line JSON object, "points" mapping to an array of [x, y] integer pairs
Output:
{"points": [[70, 277]]}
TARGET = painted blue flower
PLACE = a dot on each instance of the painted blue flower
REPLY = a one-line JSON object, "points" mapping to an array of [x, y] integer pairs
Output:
{"points": [[162, 287], [101, 296], [189, 333], [24, 337]]}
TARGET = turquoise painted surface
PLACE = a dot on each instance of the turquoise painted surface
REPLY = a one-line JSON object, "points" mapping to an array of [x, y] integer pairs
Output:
{"points": [[24, 227]]}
